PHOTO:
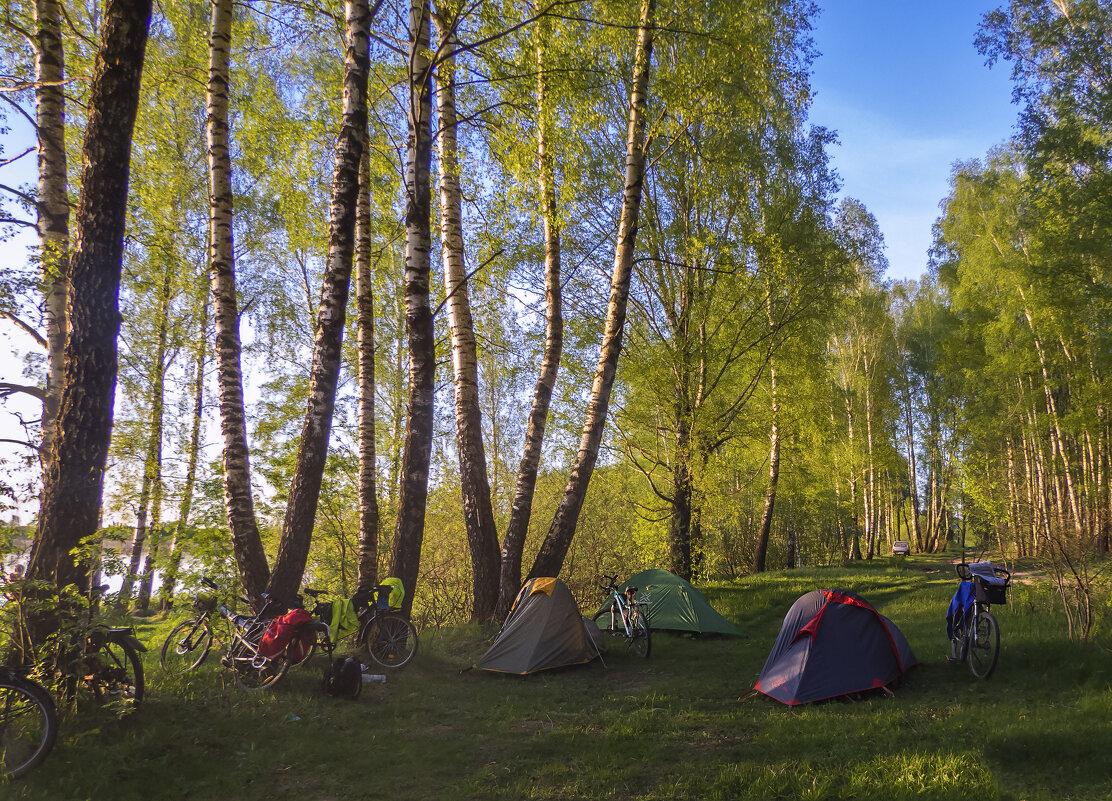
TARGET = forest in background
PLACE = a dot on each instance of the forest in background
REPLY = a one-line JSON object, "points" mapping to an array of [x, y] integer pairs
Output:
{"points": [[539, 188]]}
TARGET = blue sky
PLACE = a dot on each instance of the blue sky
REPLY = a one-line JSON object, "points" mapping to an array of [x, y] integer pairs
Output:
{"points": [[909, 95]]}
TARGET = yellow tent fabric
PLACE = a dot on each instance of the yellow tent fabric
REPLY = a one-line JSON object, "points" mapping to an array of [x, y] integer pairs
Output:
{"points": [[545, 585]]}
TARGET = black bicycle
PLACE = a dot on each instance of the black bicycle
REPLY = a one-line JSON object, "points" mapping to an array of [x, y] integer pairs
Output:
{"points": [[28, 723], [189, 642], [974, 632], [388, 636], [103, 662]]}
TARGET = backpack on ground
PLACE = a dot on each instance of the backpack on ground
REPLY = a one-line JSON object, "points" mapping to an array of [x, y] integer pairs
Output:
{"points": [[343, 678]]}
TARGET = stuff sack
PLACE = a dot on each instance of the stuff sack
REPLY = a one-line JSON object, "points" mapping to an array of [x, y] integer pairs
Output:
{"points": [[343, 678], [286, 631]]}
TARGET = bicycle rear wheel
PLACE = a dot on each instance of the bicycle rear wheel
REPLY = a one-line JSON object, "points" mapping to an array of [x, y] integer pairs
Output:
{"points": [[640, 639], [984, 645], [115, 673], [254, 672], [186, 647], [391, 640], [28, 726]]}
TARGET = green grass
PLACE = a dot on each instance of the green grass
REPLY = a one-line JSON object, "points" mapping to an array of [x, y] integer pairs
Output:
{"points": [[672, 727]]}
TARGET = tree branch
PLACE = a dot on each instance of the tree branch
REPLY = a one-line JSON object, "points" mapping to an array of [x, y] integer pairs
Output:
{"points": [[35, 335], [7, 388]]}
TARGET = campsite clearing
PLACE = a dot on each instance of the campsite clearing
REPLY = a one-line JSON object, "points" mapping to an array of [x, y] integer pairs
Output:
{"points": [[671, 727]]}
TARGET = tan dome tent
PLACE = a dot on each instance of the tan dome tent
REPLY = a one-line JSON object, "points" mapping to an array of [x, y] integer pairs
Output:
{"points": [[543, 630]]}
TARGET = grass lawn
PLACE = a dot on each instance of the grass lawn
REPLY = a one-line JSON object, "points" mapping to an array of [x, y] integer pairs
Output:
{"points": [[674, 726]]}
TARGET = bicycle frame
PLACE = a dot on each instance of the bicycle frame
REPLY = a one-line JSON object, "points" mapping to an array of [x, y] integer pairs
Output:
{"points": [[621, 605]]}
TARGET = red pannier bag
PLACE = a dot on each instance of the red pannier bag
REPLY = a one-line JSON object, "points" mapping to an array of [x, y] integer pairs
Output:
{"points": [[283, 630]]}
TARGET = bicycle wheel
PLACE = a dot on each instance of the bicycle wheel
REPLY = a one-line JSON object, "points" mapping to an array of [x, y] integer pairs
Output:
{"points": [[640, 639], [28, 726], [984, 645], [609, 623], [391, 640], [254, 672], [306, 654], [186, 647], [115, 673]]}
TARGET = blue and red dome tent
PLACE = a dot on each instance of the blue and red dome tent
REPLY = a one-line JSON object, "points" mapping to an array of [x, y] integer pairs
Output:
{"points": [[833, 643]]}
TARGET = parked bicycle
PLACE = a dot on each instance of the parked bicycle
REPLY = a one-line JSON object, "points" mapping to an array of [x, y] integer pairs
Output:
{"points": [[255, 668], [103, 662], [974, 632], [188, 644], [28, 723], [388, 636], [624, 617]]}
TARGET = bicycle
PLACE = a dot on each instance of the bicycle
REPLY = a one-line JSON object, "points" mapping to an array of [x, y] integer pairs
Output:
{"points": [[974, 632], [627, 620], [387, 635], [252, 669], [85, 657], [187, 645], [28, 723], [103, 661]]}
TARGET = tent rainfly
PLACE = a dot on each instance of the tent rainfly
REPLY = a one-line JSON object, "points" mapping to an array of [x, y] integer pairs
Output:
{"points": [[543, 630], [833, 643], [675, 605]]}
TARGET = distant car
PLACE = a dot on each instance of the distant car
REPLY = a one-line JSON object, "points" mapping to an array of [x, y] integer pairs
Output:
{"points": [[901, 548]]}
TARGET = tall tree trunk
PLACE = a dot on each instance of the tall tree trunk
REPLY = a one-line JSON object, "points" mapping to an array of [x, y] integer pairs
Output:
{"points": [[913, 475], [170, 579], [247, 544], [555, 547], [312, 450], [522, 508], [760, 553], [1057, 440], [139, 534], [405, 556], [869, 494], [75, 474], [679, 534], [478, 514], [365, 328], [154, 467], [53, 203], [154, 532]]}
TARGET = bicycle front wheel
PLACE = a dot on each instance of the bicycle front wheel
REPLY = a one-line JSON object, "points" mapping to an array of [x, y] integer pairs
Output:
{"points": [[640, 636], [28, 726], [186, 647], [391, 640], [984, 645]]}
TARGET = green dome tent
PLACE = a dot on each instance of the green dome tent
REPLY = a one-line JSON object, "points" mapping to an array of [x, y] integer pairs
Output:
{"points": [[675, 605]]}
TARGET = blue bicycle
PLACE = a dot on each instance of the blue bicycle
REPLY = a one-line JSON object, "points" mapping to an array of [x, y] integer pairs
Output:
{"points": [[624, 618]]}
